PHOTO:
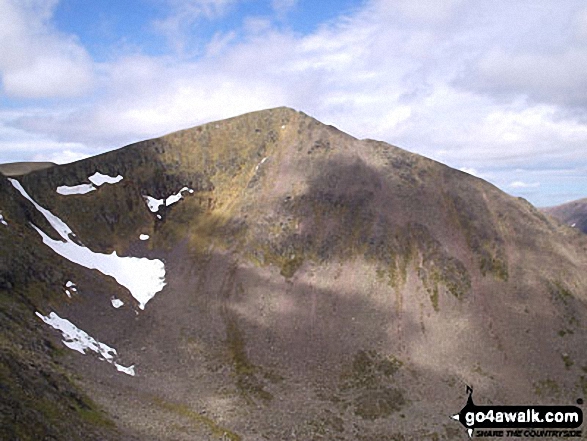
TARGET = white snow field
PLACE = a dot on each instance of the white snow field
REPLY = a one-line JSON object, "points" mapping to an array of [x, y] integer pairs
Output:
{"points": [[77, 189], [155, 204], [141, 276], [96, 180], [78, 340]]}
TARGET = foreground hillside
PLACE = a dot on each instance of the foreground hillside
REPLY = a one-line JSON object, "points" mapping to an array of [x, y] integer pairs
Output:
{"points": [[270, 277]]}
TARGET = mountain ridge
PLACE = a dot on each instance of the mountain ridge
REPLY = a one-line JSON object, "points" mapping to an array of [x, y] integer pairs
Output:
{"points": [[21, 168]]}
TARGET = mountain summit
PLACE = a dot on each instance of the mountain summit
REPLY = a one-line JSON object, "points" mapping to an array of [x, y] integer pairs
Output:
{"points": [[271, 277]]}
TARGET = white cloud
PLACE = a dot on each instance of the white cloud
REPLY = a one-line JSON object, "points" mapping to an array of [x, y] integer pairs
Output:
{"points": [[550, 78], [520, 184], [36, 61], [478, 87]]}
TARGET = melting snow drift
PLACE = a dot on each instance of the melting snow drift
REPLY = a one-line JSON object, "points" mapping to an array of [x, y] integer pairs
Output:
{"points": [[96, 179], [78, 189], [69, 288], [127, 370], [141, 276], [117, 303], [155, 204], [2, 221], [144, 237], [78, 340]]}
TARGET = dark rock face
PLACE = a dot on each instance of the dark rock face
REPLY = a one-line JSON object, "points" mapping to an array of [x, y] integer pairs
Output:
{"points": [[318, 287]]}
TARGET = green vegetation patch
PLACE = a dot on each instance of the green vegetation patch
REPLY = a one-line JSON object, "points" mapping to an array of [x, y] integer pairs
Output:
{"points": [[200, 420], [368, 384], [248, 376], [567, 360], [546, 388], [369, 368], [438, 267], [379, 403], [481, 234], [559, 292]]}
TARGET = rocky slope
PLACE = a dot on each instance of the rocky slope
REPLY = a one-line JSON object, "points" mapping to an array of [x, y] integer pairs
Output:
{"points": [[316, 287], [572, 213]]}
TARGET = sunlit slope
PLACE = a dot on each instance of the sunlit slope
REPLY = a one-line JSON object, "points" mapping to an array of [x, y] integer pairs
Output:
{"points": [[314, 284]]}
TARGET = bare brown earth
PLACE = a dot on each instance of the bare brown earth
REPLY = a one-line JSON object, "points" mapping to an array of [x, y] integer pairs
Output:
{"points": [[340, 289], [22, 168], [572, 213]]}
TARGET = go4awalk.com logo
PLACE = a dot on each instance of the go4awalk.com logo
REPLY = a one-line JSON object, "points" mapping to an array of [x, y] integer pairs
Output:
{"points": [[520, 421]]}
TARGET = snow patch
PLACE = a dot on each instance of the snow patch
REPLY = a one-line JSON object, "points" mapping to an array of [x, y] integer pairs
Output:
{"points": [[155, 204], [260, 163], [77, 189], [177, 196], [117, 303], [127, 370], [98, 179], [78, 340], [574, 225], [2, 221], [141, 276], [144, 237], [70, 288], [59, 226]]}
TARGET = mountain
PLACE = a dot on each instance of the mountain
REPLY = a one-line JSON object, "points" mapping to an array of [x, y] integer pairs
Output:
{"points": [[271, 277], [572, 213], [22, 168]]}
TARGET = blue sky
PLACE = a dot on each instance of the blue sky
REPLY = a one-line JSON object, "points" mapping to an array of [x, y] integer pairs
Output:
{"points": [[494, 88]]}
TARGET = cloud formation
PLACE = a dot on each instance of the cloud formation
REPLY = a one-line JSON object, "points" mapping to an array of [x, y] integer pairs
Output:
{"points": [[37, 61], [495, 87]]}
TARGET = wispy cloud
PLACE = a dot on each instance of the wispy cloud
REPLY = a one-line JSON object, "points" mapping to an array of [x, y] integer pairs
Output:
{"points": [[184, 16], [282, 7]]}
